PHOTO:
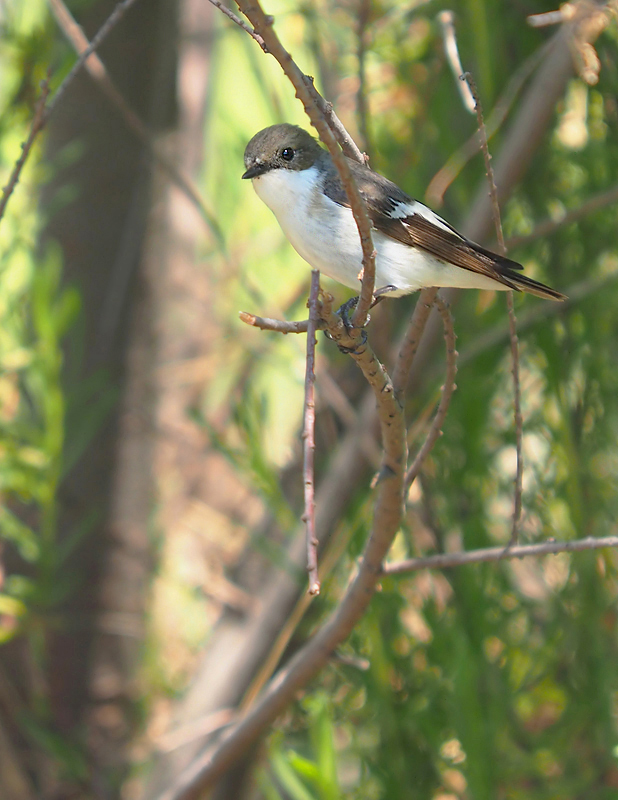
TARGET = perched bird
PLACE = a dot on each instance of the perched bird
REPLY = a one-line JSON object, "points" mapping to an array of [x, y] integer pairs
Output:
{"points": [[415, 247]]}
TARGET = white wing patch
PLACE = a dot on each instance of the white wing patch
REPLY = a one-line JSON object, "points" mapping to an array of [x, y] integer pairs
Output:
{"points": [[403, 210]]}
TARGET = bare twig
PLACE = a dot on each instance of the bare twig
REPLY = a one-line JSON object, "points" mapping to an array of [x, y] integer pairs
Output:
{"points": [[447, 23], [278, 325], [547, 18], [97, 71], [448, 560], [241, 24], [38, 121], [495, 206], [263, 25], [519, 423], [309, 437], [362, 35], [412, 338], [348, 145], [105, 29], [448, 388]]}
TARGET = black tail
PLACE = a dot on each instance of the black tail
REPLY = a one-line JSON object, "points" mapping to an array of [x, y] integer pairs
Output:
{"points": [[524, 284]]}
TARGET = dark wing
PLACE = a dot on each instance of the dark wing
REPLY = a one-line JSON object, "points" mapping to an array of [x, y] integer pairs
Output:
{"points": [[397, 215]]}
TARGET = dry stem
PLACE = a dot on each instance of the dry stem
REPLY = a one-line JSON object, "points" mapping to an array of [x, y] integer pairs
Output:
{"points": [[309, 437], [448, 560], [38, 121], [495, 206]]}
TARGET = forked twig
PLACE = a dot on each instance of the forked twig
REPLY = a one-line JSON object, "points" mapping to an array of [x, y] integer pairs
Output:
{"points": [[495, 207], [313, 656], [309, 437], [435, 431], [241, 23]]}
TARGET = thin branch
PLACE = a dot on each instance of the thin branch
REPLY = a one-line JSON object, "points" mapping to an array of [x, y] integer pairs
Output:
{"points": [[105, 29], [519, 422], [309, 437], [241, 23], [547, 18], [277, 325], [348, 145], [263, 25], [435, 431], [447, 24], [495, 206], [97, 71], [412, 339], [448, 560], [364, 15], [311, 658], [38, 121]]}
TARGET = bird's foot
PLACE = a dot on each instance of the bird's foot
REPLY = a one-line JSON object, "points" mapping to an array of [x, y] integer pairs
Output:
{"points": [[345, 312]]}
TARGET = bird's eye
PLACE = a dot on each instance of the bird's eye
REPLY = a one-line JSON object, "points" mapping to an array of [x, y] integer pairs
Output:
{"points": [[287, 154]]}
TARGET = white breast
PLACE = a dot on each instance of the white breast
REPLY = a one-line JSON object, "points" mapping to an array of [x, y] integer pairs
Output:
{"points": [[325, 235]]}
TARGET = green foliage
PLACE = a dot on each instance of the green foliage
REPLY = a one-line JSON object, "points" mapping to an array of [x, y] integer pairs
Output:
{"points": [[299, 776]]}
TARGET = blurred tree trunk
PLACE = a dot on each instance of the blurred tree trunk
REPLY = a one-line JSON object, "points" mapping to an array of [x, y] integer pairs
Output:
{"points": [[101, 233]]}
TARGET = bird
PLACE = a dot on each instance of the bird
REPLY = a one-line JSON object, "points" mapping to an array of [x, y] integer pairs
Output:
{"points": [[415, 248]]}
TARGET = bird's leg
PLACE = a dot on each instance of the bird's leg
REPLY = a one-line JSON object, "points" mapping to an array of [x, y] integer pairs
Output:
{"points": [[381, 293], [346, 309]]}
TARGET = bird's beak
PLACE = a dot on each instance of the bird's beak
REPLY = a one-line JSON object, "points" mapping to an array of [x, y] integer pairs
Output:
{"points": [[257, 169]]}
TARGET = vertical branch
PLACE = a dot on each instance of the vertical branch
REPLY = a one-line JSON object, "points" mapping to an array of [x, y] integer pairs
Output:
{"points": [[364, 13], [495, 207], [309, 438]]}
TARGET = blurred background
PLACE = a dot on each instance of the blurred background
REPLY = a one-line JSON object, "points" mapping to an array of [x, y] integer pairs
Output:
{"points": [[150, 445]]}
